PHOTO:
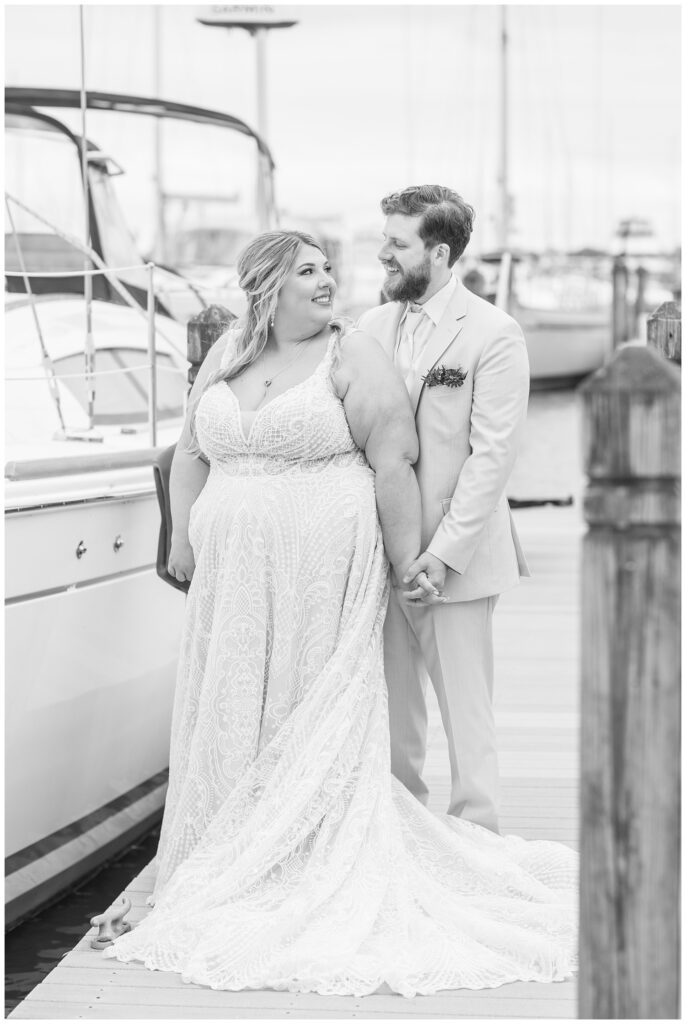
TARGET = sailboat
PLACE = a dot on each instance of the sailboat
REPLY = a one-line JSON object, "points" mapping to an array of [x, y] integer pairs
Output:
{"points": [[564, 309]]}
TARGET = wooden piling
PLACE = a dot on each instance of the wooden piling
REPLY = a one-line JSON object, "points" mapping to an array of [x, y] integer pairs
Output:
{"points": [[630, 731], [203, 330], [664, 330], [638, 307], [620, 311]]}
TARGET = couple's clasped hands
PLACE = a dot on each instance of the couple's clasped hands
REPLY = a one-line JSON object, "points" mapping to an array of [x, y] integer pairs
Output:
{"points": [[423, 580]]}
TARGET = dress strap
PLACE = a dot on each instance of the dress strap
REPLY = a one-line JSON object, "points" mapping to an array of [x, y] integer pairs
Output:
{"points": [[341, 328], [229, 351]]}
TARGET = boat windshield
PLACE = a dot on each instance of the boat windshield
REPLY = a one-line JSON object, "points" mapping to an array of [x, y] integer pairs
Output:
{"points": [[206, 181], [33, 148], [118, 244]]}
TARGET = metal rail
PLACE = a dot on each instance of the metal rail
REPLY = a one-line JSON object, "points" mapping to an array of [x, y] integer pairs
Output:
{"points": [[70, 273], [90, 372]]}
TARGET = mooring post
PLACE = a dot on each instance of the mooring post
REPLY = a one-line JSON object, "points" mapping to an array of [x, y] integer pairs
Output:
{"points": [[664, 330], [203, 330], [630, 699]]}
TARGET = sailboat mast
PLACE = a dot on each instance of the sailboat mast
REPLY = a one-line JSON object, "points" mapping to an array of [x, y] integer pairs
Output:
{"points": [[504, 219]]}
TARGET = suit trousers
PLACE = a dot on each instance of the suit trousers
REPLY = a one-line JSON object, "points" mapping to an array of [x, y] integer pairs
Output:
{"points": [[452, 645]]}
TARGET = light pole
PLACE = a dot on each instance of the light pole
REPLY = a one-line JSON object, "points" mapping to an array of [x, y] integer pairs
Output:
{"points": [[256, 19]]}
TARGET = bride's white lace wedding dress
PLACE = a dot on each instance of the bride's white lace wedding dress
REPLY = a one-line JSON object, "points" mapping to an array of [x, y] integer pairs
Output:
{"points": [[289, 857]]}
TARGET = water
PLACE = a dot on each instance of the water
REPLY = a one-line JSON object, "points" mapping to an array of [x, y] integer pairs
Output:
{"points": [[549, 462], [34, 948]]}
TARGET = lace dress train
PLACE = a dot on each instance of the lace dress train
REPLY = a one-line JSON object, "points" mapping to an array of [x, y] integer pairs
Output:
{"points": [[290, 858]]}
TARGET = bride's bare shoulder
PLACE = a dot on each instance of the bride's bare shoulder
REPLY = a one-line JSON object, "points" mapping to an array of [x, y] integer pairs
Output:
{"points": [[362, 363]]}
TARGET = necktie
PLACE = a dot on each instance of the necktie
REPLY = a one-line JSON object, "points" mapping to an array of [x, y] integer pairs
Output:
{"points": [[405, 353]]}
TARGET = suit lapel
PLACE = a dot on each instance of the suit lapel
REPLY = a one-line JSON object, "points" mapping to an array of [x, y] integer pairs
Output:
{"points": [[445, 332]]}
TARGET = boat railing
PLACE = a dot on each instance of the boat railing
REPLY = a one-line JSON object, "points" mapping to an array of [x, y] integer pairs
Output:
{"points": [[90, 373], [87, 251]]}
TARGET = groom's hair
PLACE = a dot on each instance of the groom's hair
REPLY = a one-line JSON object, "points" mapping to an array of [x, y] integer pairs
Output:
{"points": [[446, 218]]}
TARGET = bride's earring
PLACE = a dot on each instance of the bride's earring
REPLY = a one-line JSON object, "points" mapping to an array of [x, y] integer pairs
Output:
{"points": [[271, 320]]}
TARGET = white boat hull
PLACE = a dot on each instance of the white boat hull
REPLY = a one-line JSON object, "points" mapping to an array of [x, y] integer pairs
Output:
{"points": [[91, 651], [564, 349]]}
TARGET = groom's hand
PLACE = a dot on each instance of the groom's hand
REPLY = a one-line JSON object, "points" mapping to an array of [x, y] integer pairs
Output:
{"points": [[427, 575]]}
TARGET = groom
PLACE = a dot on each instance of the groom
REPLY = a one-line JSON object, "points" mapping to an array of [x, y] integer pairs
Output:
{"points": [[465, 365]]}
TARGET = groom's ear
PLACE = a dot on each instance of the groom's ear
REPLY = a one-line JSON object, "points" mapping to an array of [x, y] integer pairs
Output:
{"points": [[441, 253]]}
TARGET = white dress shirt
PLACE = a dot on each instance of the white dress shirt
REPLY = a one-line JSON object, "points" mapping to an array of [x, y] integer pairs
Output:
{"points": [[416, 326]]}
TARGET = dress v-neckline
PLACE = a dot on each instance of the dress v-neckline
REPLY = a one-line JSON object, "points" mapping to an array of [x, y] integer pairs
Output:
{"points": [[261, 408]]}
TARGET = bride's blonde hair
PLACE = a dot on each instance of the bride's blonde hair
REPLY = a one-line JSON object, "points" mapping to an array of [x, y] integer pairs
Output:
{"points": [[263, 267]]}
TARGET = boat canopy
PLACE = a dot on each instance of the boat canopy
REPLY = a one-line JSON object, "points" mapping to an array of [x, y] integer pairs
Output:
{"points": [[30, 96]]}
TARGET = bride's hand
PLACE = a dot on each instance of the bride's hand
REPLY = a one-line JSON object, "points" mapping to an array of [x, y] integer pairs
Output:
{"points": [[424, 579], [181, 562]]}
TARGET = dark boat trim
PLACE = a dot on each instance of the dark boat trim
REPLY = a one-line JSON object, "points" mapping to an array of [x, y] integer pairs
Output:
{"points": [[64, 835], [28, 902], [95, 499], [54, 888], [22, 97]]}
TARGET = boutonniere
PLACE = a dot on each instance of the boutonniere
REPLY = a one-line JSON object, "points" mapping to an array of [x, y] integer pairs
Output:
{"points": [[446, 376]]}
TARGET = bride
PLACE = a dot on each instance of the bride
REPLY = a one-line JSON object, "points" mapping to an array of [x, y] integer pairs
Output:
{"points": [[290, 858]]}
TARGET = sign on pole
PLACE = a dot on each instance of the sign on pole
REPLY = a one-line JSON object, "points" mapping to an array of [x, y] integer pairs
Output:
{"points": [[248, 16]]}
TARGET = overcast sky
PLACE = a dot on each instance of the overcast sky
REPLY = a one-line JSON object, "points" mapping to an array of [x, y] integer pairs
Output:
{"points": [[365, 99]]}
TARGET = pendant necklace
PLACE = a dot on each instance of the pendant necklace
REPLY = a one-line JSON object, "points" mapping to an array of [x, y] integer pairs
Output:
{"points": [[268, 381]]}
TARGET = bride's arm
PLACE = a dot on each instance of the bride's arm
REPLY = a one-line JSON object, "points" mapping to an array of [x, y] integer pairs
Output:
{"points": [[189, 473], [380, 418]]}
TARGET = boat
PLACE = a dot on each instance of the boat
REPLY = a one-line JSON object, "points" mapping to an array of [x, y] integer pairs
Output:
{"points": [[96, 378], [564, 308], [563, 304], [199, 234]]}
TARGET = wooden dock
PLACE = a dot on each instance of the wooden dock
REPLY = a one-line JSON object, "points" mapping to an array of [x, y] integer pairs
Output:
{"points": [[537, 710]]}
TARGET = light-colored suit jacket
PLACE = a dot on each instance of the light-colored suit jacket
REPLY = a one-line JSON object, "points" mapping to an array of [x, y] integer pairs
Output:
{"points": [[468, 439]]}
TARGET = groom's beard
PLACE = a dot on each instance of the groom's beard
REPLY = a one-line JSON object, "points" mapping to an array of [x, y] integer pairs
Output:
{"points": [[409, 285]]}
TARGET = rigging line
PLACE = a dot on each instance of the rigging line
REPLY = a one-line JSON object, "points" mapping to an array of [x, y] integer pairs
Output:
{"points": [[527, 92], [549, 70], [567, 162], [89, 348], [472, 140], [47, 362], [93, 255], [465, 91]]}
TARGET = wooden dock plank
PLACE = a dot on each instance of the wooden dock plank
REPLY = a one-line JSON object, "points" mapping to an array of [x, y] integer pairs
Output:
{"points": [[537, 715], [196, 998], [116, 971], [132, 1011], [163, 988]]}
